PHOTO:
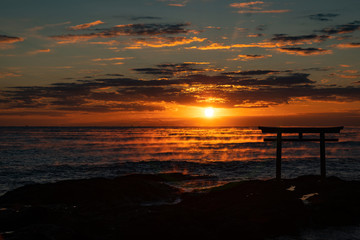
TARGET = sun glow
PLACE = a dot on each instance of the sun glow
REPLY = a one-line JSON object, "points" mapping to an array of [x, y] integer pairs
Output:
{"points": [[209, 112]]}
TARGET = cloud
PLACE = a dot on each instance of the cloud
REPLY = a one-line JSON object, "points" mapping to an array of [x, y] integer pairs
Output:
{"points": [[7, 41], [346, 74], [109, 59], [86, 25], [347, 45], [175, 3], [341, 29], [109, 43], [319, 69], [4, 39], [39, 51], [264, 44], [261, 27], [264, 11], [300, 39], [98, 95], [283, 95], [323, 16], [168, 70], [71, 38], [126, 30], [103, 108], [146, 29], [247, 57], [114, 75], [9, 74], [213, 27], [183, 4], [253, 35], [221, 46], [211, 46], [304, 51], [292, 79], [252, 72], [241, 29], [182, 83], [62, 67], [159, 42], [145, 18], [113, 61], [39, 28], [255, 7], [32, 113], [197, 63], [251, 5]]}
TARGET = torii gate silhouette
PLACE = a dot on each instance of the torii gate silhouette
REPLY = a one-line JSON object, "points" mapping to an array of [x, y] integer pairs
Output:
{"points": [[300, 130]]}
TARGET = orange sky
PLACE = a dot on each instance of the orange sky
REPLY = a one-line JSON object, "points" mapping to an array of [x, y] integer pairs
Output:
{"points": [[153, 63]]}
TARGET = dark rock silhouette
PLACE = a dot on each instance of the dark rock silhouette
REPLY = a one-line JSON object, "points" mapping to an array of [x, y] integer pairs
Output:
{"points": [[145, 206]]}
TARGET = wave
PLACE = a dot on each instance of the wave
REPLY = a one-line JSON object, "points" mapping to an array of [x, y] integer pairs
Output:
{"points": [[55, 153]]}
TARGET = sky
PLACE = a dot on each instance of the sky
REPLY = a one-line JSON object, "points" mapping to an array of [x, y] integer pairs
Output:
{"points": [[164, 62]]}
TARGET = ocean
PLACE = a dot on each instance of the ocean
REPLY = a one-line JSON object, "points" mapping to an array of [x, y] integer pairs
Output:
{"points": [[47, 154]]}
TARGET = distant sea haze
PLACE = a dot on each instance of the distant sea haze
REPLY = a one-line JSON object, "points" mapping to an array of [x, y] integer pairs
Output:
{"points": [[47, 154]]}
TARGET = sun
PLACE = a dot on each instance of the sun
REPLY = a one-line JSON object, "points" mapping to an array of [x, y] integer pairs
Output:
{"points": [[209, 112]]}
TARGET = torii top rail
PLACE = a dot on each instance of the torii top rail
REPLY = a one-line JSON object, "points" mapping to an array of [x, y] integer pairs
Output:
{"points": [[300, 130]]}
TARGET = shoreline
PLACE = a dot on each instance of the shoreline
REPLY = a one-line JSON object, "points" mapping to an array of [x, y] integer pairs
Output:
{"points": [[148, 205]]}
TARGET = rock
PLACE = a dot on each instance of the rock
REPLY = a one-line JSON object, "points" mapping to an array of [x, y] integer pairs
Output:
{"points": [[127, 190], [110, 209], [44, 232]]}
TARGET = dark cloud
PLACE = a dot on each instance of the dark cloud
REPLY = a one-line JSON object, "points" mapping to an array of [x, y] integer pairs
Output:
{"points": [[269, 96], [252, 72], [288, 80], [261, 27], [292, 40], [285, 41], [114, 75], [113, 107], [9, 39], [168, 69], [82, 95], [304, 51], [145, 18], [127, 30], [33, 113], [319, 69], [146, 29], [246, 57], [323, 16], [274, 96], [293, 79], [254, 89], [341, 29]]}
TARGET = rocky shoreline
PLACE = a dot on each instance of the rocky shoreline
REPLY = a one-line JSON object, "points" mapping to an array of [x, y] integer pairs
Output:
{"points": [[142, 205]]}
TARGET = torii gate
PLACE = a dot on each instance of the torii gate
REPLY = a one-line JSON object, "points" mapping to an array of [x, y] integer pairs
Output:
{"points": [[300, 131]]}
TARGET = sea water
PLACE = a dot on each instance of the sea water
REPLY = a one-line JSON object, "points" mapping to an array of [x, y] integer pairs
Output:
{"points": [[48, 154]]}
